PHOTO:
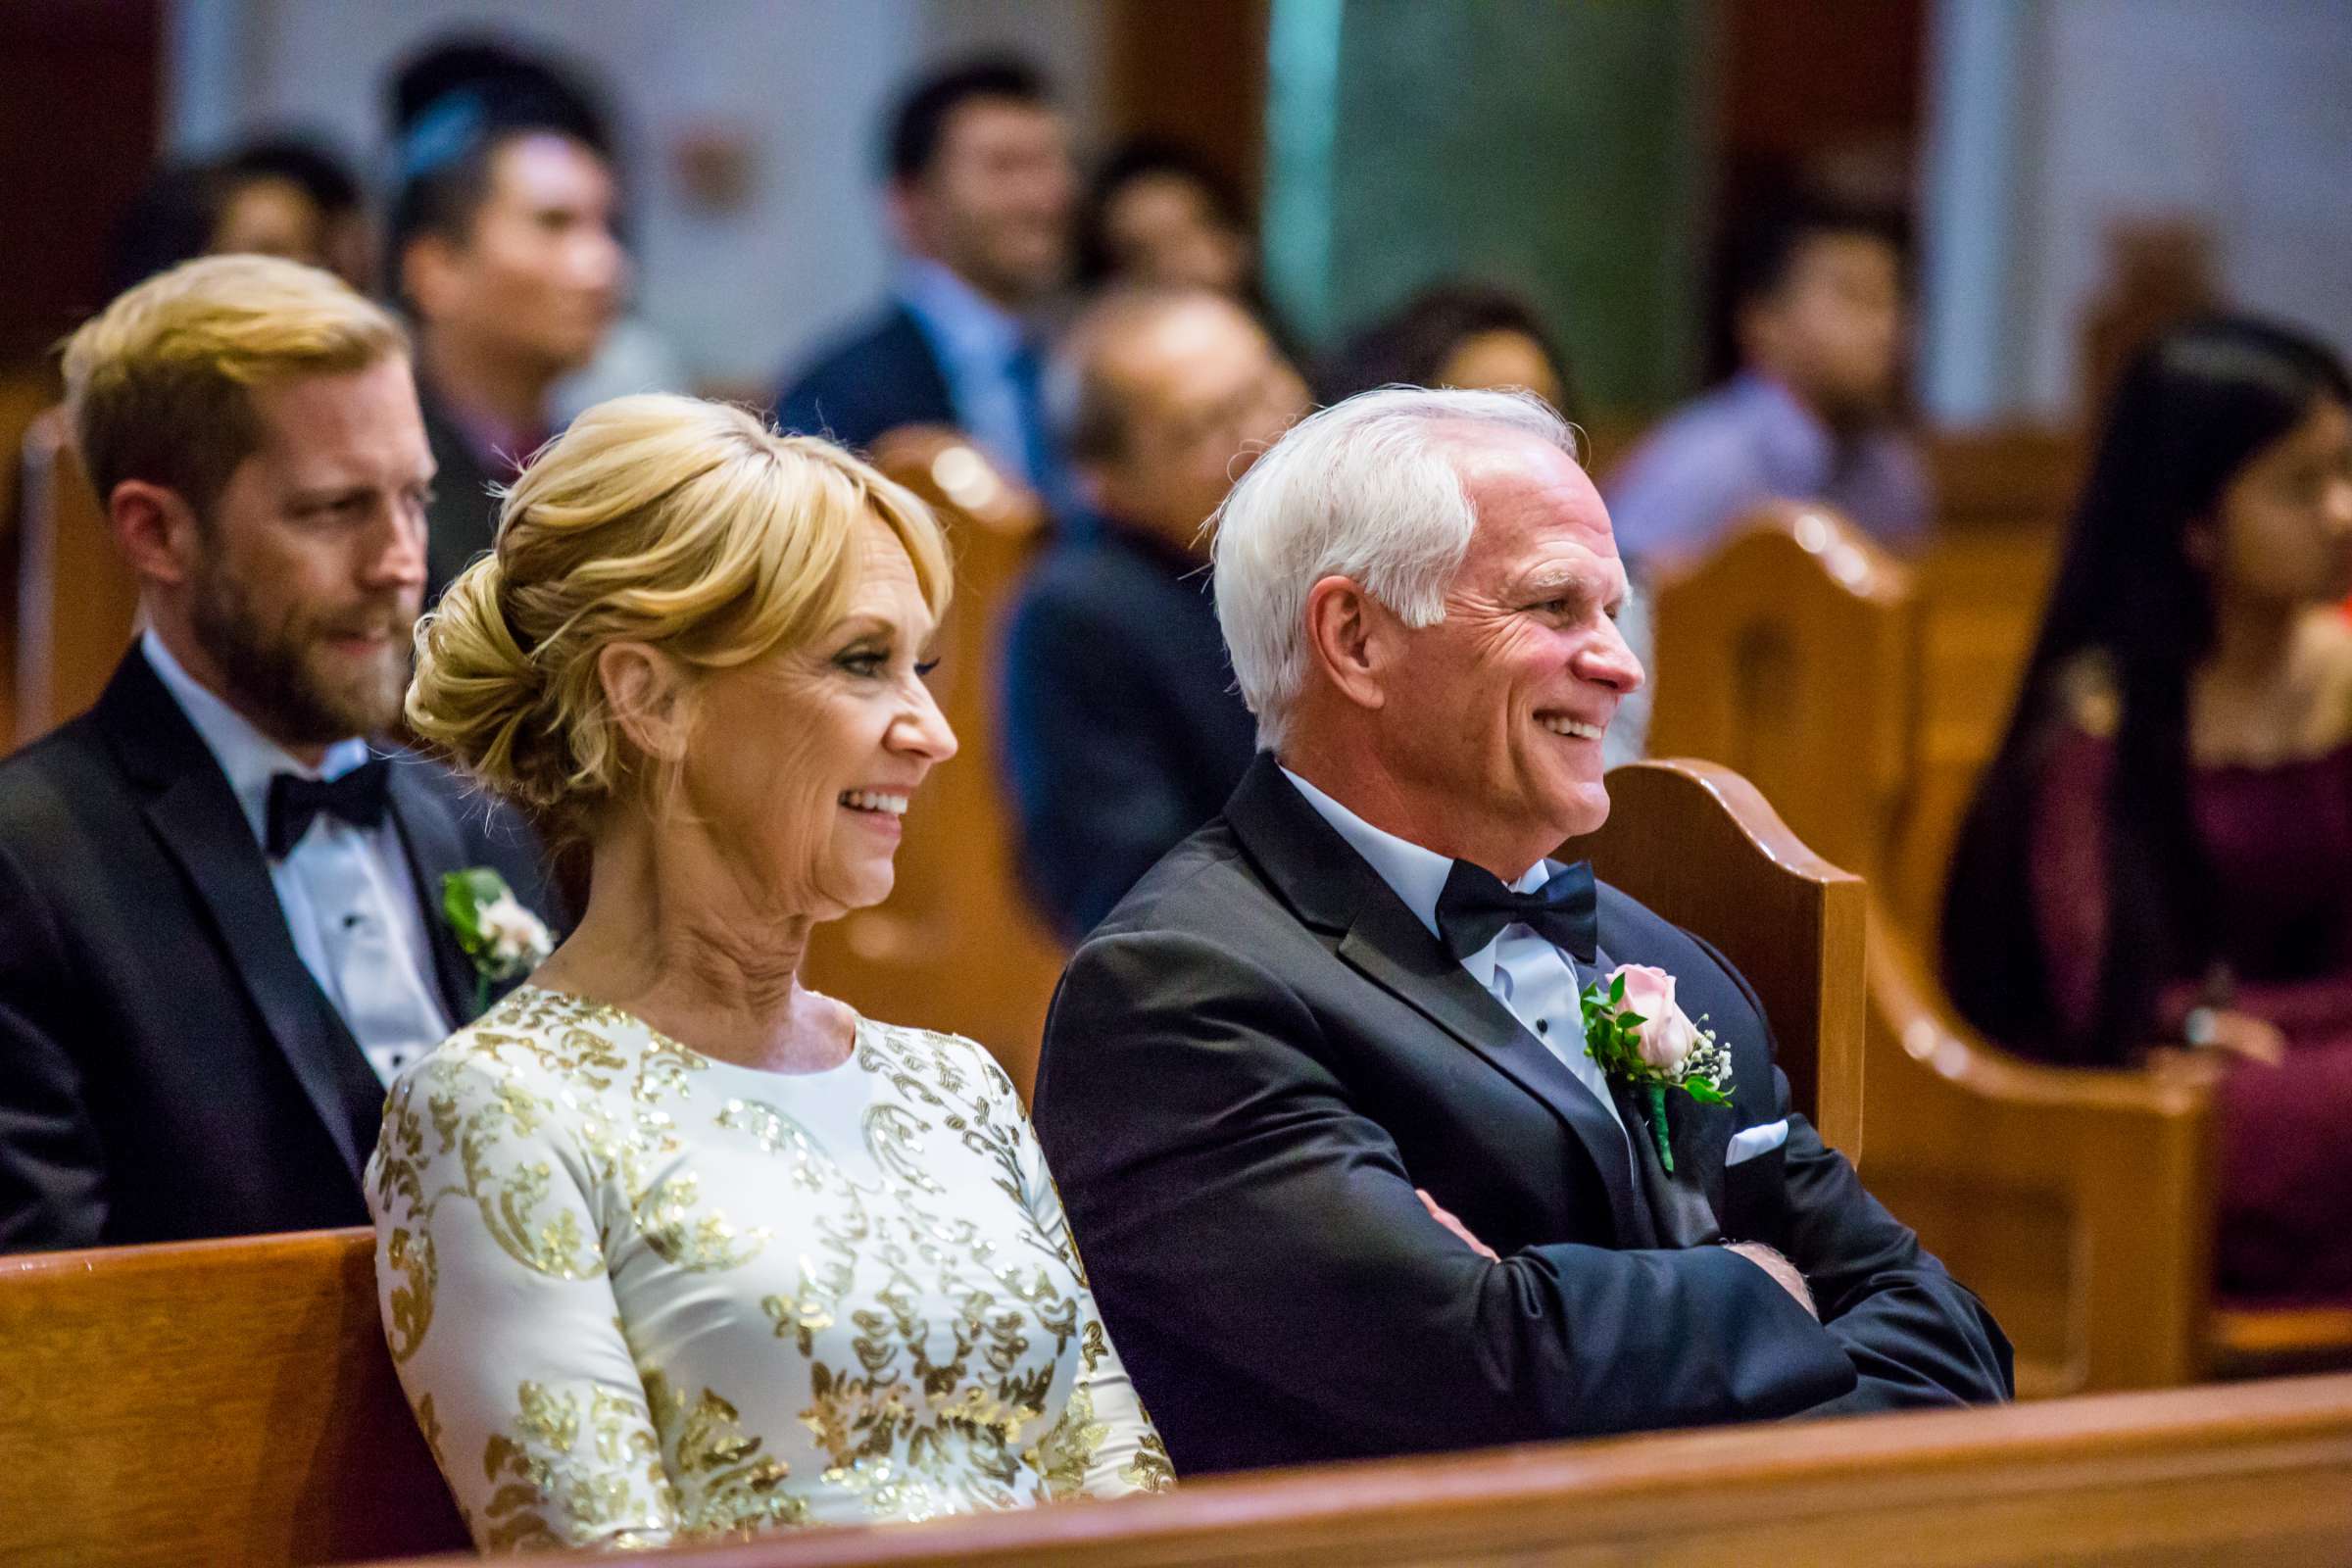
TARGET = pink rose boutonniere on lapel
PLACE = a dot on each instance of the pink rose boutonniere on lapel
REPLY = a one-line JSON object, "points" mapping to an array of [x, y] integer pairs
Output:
{"points": [[1642, 1038]]}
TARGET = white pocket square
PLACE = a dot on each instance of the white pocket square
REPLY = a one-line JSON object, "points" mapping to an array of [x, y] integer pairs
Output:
{"points": [[1750, 1142]]}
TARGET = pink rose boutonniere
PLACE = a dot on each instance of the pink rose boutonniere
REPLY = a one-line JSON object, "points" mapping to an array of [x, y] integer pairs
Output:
{"points": [[1640, 1037]]}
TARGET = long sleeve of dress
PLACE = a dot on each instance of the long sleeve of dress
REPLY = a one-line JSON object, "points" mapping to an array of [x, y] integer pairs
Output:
{"points": [[501, 1317], [1104, 1445]]}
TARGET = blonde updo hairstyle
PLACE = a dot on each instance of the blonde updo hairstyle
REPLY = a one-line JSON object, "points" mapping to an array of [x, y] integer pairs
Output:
{"points": [[680, 523]]}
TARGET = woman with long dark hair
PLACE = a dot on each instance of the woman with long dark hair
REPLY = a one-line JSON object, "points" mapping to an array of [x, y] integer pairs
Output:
{"points": [[2160, 853]]}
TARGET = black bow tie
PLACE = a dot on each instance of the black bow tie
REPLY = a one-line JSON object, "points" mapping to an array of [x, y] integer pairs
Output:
{"points": [[295, 802], [1475, 907]]}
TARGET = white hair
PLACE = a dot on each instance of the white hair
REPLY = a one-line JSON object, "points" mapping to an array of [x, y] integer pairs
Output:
{"points": [[1366, 489]]}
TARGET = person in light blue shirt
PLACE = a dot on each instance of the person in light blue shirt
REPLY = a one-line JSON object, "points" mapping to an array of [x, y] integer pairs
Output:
{"points": [[981, 193], [1808, 418]]}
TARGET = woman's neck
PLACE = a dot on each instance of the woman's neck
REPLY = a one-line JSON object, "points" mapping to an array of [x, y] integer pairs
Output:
{"points": [[2252, 643], [672, 938]]}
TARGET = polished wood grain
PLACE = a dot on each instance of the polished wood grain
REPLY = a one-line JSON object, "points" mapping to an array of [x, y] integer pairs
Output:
{"points": [[76, 600], [208, 1402], [1700, 845], [2258, 1474], [1791, 655], [955, 946]]}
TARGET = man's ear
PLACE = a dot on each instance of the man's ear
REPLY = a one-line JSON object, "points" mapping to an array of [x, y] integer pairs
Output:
{"points": [[647, 694], [427, 268], [903, 205], [157, 532], [1348, 635]]}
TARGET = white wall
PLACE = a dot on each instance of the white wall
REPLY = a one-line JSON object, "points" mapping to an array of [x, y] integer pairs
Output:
{"points": [[2052, 118], [805, 82]]}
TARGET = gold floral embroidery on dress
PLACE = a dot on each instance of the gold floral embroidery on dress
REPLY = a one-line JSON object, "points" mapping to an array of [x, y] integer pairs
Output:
{"points": [[1149, 1470], [538, 1471], [725, 1487], [1062, 1457]]}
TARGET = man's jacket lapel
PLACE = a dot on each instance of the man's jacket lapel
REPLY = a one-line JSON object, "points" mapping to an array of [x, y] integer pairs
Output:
{"points": [[196, 817], [1698, 1136], [1330, 887], [434, 849]]}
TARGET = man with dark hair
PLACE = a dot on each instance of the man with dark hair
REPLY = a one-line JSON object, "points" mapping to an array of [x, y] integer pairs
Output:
{"points": [[503, 247], [1818, 302], [980, 194], [223, 923], [1122, 730]]}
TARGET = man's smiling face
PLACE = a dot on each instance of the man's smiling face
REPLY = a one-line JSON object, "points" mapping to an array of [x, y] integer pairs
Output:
{"points": [[1492, 717]]}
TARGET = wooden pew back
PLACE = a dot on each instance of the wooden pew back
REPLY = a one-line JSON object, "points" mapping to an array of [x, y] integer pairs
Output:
{"points": [[208, 1402], [1700, 845], [76, 600], [1791, 655], [955, 946], [2260, 1474]]}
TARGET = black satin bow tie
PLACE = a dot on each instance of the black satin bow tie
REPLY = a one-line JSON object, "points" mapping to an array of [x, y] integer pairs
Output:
{"points": [[295, 803], [1475, 907]]}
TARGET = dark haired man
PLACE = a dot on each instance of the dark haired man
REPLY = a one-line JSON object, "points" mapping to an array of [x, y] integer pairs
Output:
{"points": [[503, 248], [981, 189], [1819, 321]]}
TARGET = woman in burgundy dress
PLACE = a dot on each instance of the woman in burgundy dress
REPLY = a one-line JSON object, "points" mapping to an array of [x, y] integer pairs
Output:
{"points": [[2161, 853]]}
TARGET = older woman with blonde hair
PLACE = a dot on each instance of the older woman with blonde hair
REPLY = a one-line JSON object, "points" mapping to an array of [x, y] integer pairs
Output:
{"points": [[669, 1245]]}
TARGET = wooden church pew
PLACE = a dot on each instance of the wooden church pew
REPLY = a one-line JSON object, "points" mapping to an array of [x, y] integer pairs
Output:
{"points": [[77, 603], [955, 947], [2254, 1475], [208, 1402], [232, 1402]]}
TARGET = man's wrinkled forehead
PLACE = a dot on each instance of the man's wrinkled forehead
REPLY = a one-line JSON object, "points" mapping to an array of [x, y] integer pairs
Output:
{"points": [[1526, 491]]}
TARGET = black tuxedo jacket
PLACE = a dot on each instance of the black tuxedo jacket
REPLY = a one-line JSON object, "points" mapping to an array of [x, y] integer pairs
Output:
{"points": [[1122, 732], [878, 379], [461, 523], [168, 1068], [1256, 1060]]}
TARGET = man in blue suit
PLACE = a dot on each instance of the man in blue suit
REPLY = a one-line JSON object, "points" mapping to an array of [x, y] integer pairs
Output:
{"points": [[981, 188]]}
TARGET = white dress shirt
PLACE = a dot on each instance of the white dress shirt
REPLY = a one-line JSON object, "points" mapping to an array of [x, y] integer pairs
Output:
{"points": [[1535, 980], [349, 898]]}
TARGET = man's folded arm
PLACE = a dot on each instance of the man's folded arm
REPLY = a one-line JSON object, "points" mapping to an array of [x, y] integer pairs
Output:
{"points": [[1916, 1336], [1253, 1217], [52, 1169]]}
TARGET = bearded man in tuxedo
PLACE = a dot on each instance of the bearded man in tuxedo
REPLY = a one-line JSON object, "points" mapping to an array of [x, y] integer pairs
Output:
{"points": [[1316, 1095], [222, 925]]}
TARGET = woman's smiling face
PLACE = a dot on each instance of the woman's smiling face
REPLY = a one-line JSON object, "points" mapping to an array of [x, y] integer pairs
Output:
{"points": [[804, 759]]}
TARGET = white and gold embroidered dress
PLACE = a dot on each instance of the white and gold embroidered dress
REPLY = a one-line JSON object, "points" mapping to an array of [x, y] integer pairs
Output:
{"points": [[636, 1293]]}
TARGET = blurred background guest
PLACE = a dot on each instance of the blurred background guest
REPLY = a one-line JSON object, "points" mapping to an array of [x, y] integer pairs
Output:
{"points": [[2161, 849], [1122, 731], [246, 895], [1158, 213], [504, 247], [980, 193], [1818, 315], [282, 196], [670, 575], [1462, 334]]}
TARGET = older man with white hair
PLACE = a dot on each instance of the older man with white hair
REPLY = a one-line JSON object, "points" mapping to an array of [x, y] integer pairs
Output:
{"points": [[1363, 1151]]}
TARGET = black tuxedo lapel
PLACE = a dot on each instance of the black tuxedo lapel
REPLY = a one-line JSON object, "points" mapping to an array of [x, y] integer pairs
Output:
{"points": [[434, 849], [1697, 1134], [196, 816], [1330, 887]]}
